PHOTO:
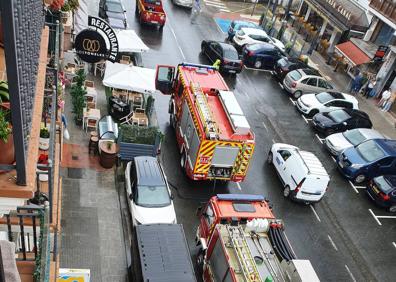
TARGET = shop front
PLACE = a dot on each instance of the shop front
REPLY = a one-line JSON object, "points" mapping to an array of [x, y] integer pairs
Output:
{"points": [[331, 22]]}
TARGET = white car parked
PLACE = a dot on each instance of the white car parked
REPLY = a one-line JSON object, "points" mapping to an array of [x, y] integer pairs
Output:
{"points": [[248, 35], [338, 142], [149, 196], [311, 104], [303, 176]]}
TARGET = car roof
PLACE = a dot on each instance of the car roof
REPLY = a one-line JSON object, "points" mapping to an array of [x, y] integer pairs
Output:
{"points": [[370, 133], [226, 46], [312, 163], [388, 145], [250, 30], [309, 71], [148, 171], [263, 45]]}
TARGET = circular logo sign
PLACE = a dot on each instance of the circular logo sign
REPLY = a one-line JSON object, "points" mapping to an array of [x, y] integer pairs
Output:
{"points": [[90, 46]]}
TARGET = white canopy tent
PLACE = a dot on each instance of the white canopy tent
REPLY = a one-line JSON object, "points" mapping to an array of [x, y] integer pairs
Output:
{"points": [[130, 42], [128, 77]]}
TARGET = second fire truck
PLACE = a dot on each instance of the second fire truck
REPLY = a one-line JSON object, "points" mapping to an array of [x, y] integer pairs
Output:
{"points": [[213, 134]]}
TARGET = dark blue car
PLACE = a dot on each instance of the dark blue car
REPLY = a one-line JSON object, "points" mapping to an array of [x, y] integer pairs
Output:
{"points": [[382, 190], [237, 25], [261, 55], [369, 159]]}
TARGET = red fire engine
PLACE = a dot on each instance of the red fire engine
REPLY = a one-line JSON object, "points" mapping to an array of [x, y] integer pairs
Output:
{"points": [[213, 134], [240, 240], [150, 12]]}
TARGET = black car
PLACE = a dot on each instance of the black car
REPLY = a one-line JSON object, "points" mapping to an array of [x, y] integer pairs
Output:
{"points": [[113, 12], [261, 55], [340, 120], [224, 52], [382, 190], [285, 65]]}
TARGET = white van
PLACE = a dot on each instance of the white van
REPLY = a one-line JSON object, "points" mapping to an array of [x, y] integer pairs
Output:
{"points": [[303, 176]]}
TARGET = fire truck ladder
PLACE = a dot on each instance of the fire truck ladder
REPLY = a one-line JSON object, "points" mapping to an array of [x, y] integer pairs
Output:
{"points": [[246, 261], [210, 125]]}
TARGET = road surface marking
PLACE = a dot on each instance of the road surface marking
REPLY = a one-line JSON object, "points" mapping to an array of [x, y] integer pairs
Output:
{"points": [[224, 10], [320, 139], [386, 216], [332, 242], [281, 85], [353, 186], [239, 186], [314, 211], [334, 160], [215, 3], [237, 11], [291, 100], [350, 273], [257, 111], [307, 120], [266, 129], [273, 141], [177, 41], [375, 217], [287, 239], [394, 244]]}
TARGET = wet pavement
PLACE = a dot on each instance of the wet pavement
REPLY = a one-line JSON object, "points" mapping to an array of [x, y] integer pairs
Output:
{"points": [[339, 235]]}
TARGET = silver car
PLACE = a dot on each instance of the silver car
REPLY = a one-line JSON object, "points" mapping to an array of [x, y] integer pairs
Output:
{"points": [[302, 81], [338, 142], [183, 3]]}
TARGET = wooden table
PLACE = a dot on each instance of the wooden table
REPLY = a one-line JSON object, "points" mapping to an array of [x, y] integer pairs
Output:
{"points": [[140, 119], [136, 99]]}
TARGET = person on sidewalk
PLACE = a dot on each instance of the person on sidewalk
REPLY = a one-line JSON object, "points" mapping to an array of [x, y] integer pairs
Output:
{"points": [[370, 86], [384, 98], [356, 84], [390, 102], [195, 10]]}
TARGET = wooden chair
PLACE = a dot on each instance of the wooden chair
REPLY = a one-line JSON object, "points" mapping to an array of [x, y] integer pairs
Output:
{"points": [[91, 124], [91, 105], [89, 83], [101, 67]]}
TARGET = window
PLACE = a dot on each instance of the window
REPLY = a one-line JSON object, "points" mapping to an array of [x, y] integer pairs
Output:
{"points": [[152, 196], [312, 82], [285, 154], [329, 86], [165, 73], [370, 151], [322, 83], [305, 81], [386, 162], [339, 116]]}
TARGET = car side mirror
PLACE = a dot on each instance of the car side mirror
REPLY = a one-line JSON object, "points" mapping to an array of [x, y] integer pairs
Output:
{"points": [[172, 197]]}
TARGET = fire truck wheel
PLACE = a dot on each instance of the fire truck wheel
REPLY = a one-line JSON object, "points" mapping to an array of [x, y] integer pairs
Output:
{"points": [[286, 191], [269, 158]]}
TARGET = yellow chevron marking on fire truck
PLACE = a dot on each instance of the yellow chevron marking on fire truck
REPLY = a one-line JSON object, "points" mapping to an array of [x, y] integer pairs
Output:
{"points": [[243, 161]]}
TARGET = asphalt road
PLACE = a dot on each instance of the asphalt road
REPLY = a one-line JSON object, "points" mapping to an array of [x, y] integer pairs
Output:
{"points": [[341, 237]]}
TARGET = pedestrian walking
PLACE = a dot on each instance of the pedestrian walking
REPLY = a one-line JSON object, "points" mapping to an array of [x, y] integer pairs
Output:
{"points": [[389, 103], [356, 83], [370, 86], [384, 98], [195, 10]]}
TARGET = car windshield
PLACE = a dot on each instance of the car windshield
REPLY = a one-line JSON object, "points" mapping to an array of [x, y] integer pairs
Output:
{"points": [[354, 136], [370, 151], [114, 7], [324, 97], [339, 115], [230, 54], [384, 185], [153, 196], [295, 75]]}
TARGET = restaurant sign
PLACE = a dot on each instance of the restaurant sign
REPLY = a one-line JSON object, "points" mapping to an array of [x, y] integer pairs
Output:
{"points": [[91, 44], [340, 9]]}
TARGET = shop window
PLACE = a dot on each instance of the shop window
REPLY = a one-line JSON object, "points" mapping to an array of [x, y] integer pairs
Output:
{"points": [[385, 35]]}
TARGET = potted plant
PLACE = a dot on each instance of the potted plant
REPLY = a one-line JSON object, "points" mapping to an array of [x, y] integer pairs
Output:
{"points": [[44, 139], [65, 12], [77, 92], [7, 155]]}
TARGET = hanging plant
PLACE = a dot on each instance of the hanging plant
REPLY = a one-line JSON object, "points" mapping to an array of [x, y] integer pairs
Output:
{"points": [[4, 94]]}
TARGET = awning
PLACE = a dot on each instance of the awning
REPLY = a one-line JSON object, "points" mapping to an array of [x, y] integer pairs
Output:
{"points": [[352, 53], [130, 42], [129, 77]]}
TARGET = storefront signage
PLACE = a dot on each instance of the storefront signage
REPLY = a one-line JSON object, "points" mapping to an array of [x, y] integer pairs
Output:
{"points": [[340, 9], [381, 51], [91, 45]]}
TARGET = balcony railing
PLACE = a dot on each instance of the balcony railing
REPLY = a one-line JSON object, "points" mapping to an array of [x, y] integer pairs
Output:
{"points": [[387, 8]]}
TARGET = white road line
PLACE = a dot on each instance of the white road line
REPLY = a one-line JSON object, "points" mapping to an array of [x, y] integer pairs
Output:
{"points": [[287, 239], [256, 69], [305, 119], [214, 1], [332, 242], [314, 211], [239, 186], [273, 141], [215, 5], [386, 216], [360, 187], [266, 129], [177, 41], [291, 100], [225, 10], [376, 219], [394, 244], [320, 139], [353, 186], [334, 160], [350, 274], [244, 93], [281, 85]]}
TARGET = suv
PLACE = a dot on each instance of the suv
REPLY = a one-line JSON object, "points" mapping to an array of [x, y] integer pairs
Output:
{"points": [[114, 13], [299, 82], [303, 176], [149, 197], [311, 104], [367, 160]]}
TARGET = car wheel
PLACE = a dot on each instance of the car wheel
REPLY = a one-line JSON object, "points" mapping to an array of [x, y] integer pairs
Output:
{"points": [[257, 64], [297, 94], [312, 113], [203, 51], [286, 191], [392, 209], [269, 158], [360, 178]]}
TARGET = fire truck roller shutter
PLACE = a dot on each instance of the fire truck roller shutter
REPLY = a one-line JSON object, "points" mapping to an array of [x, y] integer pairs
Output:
{"points": [[194, 146], [224, 156]]}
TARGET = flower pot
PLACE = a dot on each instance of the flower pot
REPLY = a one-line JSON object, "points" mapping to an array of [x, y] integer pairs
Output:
{"points": [[108, 156], [7, 155], [64, 16], [44, 143]]}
